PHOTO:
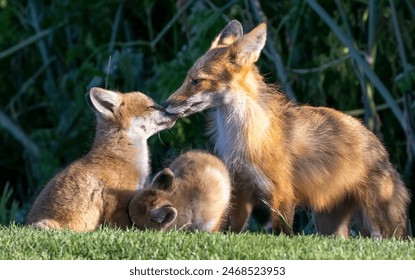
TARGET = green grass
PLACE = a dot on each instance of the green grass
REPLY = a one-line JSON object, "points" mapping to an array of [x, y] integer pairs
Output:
{"points": [[17, 242]]}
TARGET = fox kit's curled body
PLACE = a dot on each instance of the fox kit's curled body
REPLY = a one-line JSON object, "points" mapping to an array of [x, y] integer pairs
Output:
{"points": [[288, 154], [97, 188], [192, 194]]}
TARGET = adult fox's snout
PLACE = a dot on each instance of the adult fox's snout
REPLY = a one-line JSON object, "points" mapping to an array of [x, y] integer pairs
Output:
{"points": [[181, 107]]}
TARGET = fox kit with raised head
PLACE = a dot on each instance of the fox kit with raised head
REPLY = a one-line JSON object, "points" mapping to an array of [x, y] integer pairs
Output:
{"points": [[287, 154], [97, 188], [192, 194]]}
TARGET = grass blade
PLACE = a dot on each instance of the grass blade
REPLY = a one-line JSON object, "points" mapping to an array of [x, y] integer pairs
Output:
{"points": [[359, 60], [411, 8], [272, 53], [371, 117], [408, 119], [26, 42], [170, 23], [401, 47], [321, 67], [116, 25], [19, 134], [373, 15]]}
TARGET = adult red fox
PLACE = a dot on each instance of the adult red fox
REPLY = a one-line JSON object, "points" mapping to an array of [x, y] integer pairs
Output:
{"points": [[192, 194], [287, 154], [97, 188]]}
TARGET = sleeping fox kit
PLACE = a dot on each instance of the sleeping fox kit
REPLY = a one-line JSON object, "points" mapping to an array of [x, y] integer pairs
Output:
{"points": [[192, 194], [97, 188], [288, 154]]}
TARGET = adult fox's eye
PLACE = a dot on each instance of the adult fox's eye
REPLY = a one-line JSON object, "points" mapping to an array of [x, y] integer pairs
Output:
{"points": [[195, 82]]}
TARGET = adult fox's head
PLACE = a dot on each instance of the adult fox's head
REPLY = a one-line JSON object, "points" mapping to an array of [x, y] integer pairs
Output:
{"points": [[224, 70]]}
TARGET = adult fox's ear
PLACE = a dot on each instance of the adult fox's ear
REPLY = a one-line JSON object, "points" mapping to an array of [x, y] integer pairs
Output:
{"points": [[232, 32], [247, 50], [163, 216], [164, 179], [103, 102]]}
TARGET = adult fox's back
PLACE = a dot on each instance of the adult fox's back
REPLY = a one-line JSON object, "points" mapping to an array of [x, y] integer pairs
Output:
{"points": [[288, 154]]}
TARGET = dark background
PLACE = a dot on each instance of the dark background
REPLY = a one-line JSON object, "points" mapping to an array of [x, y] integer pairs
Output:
{"points": [[52, 52]]}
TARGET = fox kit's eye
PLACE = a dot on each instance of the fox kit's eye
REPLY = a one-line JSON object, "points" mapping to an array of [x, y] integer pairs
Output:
{"points": [[195, 82]]}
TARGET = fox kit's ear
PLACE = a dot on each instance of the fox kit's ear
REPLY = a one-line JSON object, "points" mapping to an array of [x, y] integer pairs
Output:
{"points": [[163, 216], [248, 48], [164, 179], [232, 32], [104, 102]]}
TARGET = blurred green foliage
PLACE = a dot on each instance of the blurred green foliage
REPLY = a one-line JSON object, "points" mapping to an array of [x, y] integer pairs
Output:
{"points": [[52, 52]]}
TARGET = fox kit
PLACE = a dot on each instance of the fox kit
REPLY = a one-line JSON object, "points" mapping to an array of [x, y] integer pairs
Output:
{"points": [[97, 188], [287, 154], [193, 194]]}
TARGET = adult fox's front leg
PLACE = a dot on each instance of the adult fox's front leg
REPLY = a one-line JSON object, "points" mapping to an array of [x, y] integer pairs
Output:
{"points": [[242, 204], [282, 215]]}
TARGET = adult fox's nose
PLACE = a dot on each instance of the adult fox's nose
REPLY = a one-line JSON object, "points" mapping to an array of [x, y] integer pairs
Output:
{"points": [[165, 104], [158, 107]]}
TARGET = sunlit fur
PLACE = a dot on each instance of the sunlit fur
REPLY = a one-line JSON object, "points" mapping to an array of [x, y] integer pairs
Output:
{"points": [[97, 188], [192, 194], [288, 154]]}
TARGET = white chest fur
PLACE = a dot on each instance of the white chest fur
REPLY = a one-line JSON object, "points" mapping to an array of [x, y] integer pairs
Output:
{"points": [[230, 140], [139, 137], [143, 165]]}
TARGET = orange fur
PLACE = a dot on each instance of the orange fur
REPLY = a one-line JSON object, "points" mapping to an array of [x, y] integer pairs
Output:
{"points": [[97, 188], [290, 155]]}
